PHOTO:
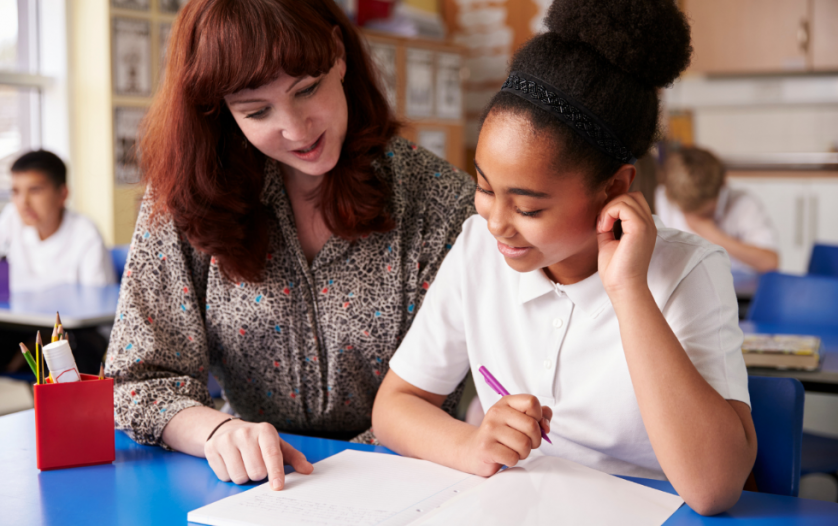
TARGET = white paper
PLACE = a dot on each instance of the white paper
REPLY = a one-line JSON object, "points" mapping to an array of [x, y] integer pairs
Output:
{"points": [[420, 83], [449, 92], [126, 134], [435, 141], [355, 488], [546, 490], [384, 57], [350, 488], [132, 57]]}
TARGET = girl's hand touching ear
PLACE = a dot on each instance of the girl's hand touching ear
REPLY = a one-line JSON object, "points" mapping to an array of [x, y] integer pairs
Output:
{"points": [[624, 263]]}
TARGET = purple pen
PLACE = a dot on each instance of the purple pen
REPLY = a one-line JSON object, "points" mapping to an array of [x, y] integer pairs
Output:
{"points": [[499, 389]]}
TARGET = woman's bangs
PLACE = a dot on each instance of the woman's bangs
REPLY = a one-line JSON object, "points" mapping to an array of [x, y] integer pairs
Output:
{"points": [[247, 45]]}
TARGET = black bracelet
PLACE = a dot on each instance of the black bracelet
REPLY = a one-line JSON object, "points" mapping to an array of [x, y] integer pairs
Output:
{"points": [[221, 424]]}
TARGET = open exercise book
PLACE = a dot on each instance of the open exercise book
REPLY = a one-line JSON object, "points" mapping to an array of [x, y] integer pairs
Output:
{"points": [[366, 489]]}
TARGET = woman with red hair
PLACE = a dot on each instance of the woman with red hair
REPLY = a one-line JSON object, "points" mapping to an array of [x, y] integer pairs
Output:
{"points": [[285, 243]]}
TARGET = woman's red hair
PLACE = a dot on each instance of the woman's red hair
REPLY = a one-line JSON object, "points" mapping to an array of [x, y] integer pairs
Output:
{"points": [[194, 156]]}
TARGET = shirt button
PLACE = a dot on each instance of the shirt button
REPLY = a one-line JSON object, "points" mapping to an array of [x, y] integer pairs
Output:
{"points": [[548, 364], [558, 323]]}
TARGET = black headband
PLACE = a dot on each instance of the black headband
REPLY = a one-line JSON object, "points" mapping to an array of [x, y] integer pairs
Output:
{"points": [[580, 119]]}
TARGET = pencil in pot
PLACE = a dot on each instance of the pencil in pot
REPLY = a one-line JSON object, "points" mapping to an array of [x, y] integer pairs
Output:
{"points": [[29, 359]]}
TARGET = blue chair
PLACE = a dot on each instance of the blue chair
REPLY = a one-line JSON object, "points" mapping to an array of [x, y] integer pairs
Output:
{"points": [[824, 260], [777, 410], [805, 300], [119, 255]]}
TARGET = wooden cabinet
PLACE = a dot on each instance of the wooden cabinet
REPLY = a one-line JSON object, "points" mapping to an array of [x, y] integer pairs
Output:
{"points": [[763, 36], [803, 207], [422, 81], [824, 35]]}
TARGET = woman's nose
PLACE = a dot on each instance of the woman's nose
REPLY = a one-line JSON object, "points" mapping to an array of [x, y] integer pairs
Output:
{"points": [[295, 127]]}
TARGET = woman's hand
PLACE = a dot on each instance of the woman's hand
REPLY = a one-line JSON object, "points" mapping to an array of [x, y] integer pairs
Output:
{"points": [[624, 263], [509, 431], [243, 451]]}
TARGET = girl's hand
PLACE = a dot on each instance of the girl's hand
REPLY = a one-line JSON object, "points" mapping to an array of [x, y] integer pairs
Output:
{"points": [[624, 263], [243, 451], [509, 431]]}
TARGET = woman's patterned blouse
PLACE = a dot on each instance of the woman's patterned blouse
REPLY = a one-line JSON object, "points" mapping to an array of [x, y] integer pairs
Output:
{"points": [[307, 348]]}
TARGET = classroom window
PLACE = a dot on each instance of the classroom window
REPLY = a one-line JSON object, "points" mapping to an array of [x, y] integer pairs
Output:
{"points": [[20, 85]]}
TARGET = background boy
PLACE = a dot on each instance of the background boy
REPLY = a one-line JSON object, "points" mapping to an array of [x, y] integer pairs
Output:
{"points": [[694, 198], [47, 245]]}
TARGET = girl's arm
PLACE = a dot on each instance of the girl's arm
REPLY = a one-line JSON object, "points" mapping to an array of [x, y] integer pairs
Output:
{"points": [[705, 444], [411, 422]]}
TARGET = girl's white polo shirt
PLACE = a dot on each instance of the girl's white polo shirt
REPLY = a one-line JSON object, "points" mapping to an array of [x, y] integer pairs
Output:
{"points": [[562, 343]]}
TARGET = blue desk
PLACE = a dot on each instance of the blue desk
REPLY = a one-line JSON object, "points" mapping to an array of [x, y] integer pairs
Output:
{"points": [[80, 306], [147, 485], [823, 380]]}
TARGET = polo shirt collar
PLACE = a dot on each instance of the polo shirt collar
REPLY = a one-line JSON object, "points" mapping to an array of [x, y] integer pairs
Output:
{"points": [[589, 294]]}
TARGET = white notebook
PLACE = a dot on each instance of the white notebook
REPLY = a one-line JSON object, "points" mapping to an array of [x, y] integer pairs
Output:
{"points": [[355, 488]]}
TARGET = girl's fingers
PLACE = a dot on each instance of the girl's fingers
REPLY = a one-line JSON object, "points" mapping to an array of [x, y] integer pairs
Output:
{"points": [[625, 209], [526, 404], [501, 454]]}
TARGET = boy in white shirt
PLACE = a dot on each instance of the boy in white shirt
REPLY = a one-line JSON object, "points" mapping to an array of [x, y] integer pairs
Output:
{"points": [[695, 199], [47, 245]]}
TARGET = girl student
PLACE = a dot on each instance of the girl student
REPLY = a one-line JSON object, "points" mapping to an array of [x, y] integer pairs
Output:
{"points": [[622, 334]]}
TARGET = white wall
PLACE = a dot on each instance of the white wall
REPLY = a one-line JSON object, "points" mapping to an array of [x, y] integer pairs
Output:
{"points": [[753, 115]]}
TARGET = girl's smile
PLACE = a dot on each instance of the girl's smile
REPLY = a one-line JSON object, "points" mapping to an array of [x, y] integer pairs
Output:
{"points": [[540, 217]]}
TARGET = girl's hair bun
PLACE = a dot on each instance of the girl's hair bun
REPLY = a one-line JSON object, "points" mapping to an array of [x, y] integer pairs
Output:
{"points": [[648, 39]]}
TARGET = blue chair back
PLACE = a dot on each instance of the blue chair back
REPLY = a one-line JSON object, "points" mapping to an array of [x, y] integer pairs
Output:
{"points": [[119, 255], [777, 410], [807, 300], [824, 260]]}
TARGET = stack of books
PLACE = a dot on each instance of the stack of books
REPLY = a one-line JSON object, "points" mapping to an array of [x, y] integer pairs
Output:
{"points": [[782, 351]]}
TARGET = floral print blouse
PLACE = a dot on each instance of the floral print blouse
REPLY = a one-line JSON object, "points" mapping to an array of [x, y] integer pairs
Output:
{"points": [[305, 349]]}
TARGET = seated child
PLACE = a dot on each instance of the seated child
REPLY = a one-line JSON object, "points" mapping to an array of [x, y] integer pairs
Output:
{"points": [[46, 244], [622, 334], [695, 199]]}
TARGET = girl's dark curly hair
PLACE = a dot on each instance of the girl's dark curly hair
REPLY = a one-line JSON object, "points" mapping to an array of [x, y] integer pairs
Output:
{"points": [[194, 155], [612, 56]]}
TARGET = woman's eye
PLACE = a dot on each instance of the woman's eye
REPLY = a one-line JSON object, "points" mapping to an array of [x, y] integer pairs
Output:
{"points": [[482, 191], [529, 214], [309, 90], [258, 114]]}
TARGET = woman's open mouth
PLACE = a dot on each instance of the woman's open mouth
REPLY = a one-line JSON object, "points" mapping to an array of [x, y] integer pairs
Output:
{"points": [[313, 151]]}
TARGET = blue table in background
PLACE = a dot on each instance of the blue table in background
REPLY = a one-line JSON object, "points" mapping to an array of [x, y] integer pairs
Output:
{"points": [[823, 380], [80, 306], [150, 486]]}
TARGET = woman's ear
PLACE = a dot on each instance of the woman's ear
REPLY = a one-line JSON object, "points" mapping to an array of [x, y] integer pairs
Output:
{"points": [[620, 182], [337, 35]]}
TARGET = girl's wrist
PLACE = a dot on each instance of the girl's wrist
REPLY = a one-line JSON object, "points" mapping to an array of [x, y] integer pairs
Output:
{"points": [[628, 294]]}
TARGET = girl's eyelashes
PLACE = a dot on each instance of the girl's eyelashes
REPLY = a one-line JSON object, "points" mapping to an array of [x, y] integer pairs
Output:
{"points": [[258, 114], [482, 191], [534, 213]]}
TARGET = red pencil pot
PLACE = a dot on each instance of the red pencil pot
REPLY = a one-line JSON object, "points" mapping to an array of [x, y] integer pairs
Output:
{"points": [[74, 423]]}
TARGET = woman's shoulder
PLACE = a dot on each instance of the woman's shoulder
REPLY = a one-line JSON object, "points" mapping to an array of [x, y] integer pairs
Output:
{"points": [[418, 174]]}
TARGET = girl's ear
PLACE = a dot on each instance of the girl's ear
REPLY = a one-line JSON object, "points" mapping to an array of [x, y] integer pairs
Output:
{"points": [[620, 182]]}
